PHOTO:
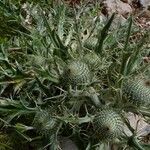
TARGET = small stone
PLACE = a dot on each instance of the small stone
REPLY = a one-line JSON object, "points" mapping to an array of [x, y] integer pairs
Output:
{"points": [[145, 3], [67, 144], [117, 6]]}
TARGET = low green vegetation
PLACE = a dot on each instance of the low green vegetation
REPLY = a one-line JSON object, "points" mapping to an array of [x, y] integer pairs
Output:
{"points": [[65, 72]]}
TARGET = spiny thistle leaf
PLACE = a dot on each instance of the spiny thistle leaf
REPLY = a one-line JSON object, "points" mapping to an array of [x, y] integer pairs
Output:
{"points": [[61, 49], [129, 60], [128, 33], [103, 35], [10, 20]]}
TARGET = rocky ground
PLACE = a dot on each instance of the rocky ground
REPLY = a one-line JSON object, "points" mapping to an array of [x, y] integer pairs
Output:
{"points": [[140, 9]]}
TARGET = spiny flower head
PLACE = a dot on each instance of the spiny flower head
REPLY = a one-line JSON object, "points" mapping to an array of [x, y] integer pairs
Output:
{"points": [[44, 123], [137, 92], [92, 59], [90, 43], [108, 125], [77, 73]]}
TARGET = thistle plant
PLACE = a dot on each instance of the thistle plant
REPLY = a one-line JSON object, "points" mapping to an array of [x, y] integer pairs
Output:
{"points": [[55, 83]]}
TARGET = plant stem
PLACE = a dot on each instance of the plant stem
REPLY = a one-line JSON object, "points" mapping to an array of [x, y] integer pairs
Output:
{"points": [[134, 143]]}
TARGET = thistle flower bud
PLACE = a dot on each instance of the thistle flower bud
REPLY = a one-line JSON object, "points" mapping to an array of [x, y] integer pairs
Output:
{"points": [[90, 43], [137, 92], [77, 73], [44, 123], [108, 125], [92, 60]]}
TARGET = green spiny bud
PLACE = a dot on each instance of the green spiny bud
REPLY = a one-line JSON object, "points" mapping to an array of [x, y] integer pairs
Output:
{"points": [[108, 125], [137, 92], [37, 60], [44, 123], [92, 60], [77, 73], [90, 43]]}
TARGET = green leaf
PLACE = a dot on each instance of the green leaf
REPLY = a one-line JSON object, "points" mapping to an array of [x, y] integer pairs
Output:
{"points": [[22, 128], [61, 49], [134, 57], [128, 34], [103, 34], [45, 89]]}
